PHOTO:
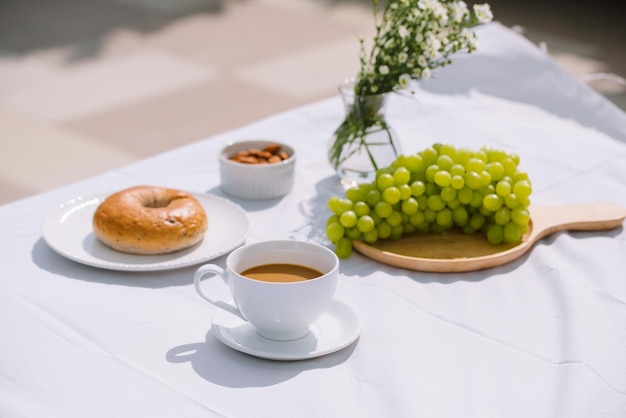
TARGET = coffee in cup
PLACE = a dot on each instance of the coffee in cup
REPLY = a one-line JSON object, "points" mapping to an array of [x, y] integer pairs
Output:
{"points": [[280, 287]]}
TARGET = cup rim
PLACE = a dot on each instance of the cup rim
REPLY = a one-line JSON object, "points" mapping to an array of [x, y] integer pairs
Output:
{"points": [[324, 248]]}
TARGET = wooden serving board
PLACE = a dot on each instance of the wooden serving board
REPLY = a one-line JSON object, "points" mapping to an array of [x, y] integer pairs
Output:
{"points": [[455, 251]]}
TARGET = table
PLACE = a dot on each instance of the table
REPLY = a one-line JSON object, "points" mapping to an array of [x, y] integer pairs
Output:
{"points": [[543, 336]]}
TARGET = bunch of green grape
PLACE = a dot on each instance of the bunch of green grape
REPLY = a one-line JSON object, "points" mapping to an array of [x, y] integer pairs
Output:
{"points": [[438, 188]]}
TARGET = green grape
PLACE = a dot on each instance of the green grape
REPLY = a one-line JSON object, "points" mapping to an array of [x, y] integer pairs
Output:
{"points": [[384, 180], [496, 155], [352, 233], [366, 188], [365, 224], [361, 208], [448, 194], [384, 230], [509, 166], [475, 164], [448, 149], [418, 188], [414, 163], [383, 209], [484, 211], [454, 203], [477, 221], [485, 178], [444, 218], [334, 231], [502, 216], [488, 189], [492, 202], [481, 155], [373, 197], [371, 236], [445, 162], [396, 232], [496, 170], [457, 181], [522, 189], [377, 219], [401, 176], [457, 170], [429, 156], [429, 215], [511, 201], [394, 219], [460, 216], [391, 195], [348, 219], [343, 248], [473, 180], [512, 233], [520, 175], [465, 195], [431, 189], [405, 191], [503, 188], [477, 199], [417, 218], [467, 229], [355, 194], [520, 216], [422, 201], [410, 206], [442, 178], [463, 155], [431, 170], [436, 203], [495, 234], [334, 205]]}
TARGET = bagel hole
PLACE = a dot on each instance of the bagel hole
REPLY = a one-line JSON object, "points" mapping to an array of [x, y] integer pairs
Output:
{"points": [[157, 203]]}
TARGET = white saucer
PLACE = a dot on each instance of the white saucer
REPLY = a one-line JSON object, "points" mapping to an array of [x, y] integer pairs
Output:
{"points": [[338, 327]]}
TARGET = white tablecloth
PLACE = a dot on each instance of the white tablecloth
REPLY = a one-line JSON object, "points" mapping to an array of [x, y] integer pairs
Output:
{"points": [[543, 336]]}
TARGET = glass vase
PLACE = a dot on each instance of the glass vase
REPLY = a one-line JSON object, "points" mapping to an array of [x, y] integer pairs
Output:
{"points": [[364, 142]]}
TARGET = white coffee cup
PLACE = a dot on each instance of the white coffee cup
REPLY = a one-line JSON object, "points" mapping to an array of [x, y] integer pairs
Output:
{"points": [[278, 311]]}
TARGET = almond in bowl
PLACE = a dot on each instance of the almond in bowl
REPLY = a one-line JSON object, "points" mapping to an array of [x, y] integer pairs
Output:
{"points": [[257, 169]]}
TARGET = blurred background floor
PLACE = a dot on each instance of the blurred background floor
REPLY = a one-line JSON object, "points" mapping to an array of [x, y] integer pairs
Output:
{"points": [[87, 86]]}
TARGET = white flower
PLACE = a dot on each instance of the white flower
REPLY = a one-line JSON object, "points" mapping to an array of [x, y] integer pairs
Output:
{"points": [[403, 32], [459, 11], [440, 12], [426, 73], [403, 57], [483, 13], [421, 61], [404, 80], [383, 69]]}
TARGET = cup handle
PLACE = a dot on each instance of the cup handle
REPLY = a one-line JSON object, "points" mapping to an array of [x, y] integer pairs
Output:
{"points": [[216, 271]]}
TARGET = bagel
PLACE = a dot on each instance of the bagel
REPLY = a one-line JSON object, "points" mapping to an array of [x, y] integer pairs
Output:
{"points": [[150, 220]]}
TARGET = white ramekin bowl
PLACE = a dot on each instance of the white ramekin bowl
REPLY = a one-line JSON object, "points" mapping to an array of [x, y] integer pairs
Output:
{"points": [[256, 181]]}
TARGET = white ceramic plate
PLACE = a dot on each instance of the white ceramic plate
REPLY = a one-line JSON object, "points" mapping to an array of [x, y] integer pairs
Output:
{"points": [[338, 327], [68, 231]]}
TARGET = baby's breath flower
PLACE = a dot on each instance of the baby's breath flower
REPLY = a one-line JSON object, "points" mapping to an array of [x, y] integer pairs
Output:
{"points": [[404, 80], [458, 11], [414, 37], [483, 13], [403, 32]]}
